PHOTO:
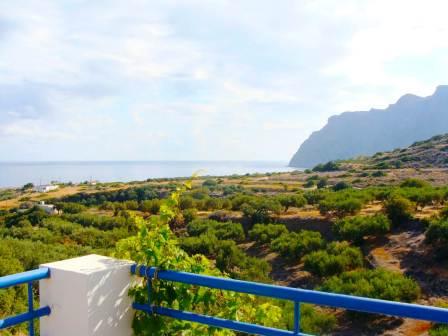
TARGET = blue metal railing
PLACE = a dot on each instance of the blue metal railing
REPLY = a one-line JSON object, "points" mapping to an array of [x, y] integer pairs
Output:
{"points": [[20, 279], [296, 295]]}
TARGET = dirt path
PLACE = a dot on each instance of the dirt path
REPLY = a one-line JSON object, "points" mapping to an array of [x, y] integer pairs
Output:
{"points": [[405, 251]]}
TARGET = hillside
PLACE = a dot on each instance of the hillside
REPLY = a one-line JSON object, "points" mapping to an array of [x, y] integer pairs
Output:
{"points": [[432, 153], [352, 134]]}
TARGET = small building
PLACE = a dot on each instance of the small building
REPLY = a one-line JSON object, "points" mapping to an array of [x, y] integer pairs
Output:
{"points": [[45, 188], [48, 208]]}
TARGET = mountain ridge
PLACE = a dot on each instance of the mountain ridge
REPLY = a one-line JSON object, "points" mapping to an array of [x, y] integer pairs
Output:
{"points": [[411, 118]]}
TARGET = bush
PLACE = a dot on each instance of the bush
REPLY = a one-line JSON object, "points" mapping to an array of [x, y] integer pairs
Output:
{"points": [[315, 196], [226, 230], [437, 236], [209, 183], [354, 229], [377, 283], [151, 206], [71, 208], [378, 173], [322, 183], [294, 245], [340, 206], [444, 213], [327, 167], [399, 209], [189, 215], [265, 233], [312, 319], [337, 258], [309, 184], [288, 201], [341, 186], [414, 183], [186, 202], [229, 257]]}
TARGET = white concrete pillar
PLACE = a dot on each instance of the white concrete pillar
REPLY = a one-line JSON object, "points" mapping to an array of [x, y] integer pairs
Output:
{"points": [[88, 296]]}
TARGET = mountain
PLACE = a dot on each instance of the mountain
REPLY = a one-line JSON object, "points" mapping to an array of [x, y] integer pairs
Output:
{"points": [[350, 134], [432, 153]]}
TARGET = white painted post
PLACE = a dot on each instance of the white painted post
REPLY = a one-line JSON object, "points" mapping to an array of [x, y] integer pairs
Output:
{"points": [[88, 296]]}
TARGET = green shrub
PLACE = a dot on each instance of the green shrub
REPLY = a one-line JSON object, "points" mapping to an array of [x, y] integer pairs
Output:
{"points": [[377, 283], [414, 183], [309, 184], [265, 233], [204, 244], [439, 330], [151, 206], [338, 257], [189, 215], [322, 183], [313, 320], [209, 183], [341, 186], [378, 173], [327, 167], [437, 236], [294, 245], [340, 207], [222, 230], [315, 196], [422, 196], [355, 228], [288, 201], [444, 213], [71, 208], [186, 202], [399, 209]]}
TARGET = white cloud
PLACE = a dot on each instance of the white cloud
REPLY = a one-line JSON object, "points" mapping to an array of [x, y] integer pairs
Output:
{"points": [[199, 80]]}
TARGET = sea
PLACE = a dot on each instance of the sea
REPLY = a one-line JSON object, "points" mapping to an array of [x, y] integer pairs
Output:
{"points": [[16, 174]]}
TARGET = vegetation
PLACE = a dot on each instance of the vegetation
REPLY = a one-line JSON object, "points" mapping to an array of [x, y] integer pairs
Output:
{"points": [[399, 209], [293, 245], [437, 236], [227, 230], [224, 227], [356, 228], [148, 248], [338, 257], [327, 167], [377, 283], [265, 233]]}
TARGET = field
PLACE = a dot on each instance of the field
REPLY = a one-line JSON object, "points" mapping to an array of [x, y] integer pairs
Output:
{"points": [[301, 229]]}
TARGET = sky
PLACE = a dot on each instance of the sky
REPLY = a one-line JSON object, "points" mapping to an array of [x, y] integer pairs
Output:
{"points": [[204, 79]]}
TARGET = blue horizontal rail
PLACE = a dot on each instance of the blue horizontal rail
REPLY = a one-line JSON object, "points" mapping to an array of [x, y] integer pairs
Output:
{"points": [[25, 277], [296, 295], [20, 279]]}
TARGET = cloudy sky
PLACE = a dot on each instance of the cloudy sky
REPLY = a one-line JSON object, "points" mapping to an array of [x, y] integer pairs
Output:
{"points": [[199, 79]]}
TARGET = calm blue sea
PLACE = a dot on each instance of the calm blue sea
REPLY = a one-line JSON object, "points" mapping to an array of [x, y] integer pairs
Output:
{"points": [[15, 174]]}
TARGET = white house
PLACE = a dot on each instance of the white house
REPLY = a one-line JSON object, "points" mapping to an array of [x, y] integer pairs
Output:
{"points": [[45, 188], [48, 208]]}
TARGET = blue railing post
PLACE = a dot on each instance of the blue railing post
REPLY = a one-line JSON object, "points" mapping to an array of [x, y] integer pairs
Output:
{"points": [[30, 308], [296, 317], [25, 278], [149, 279]]}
